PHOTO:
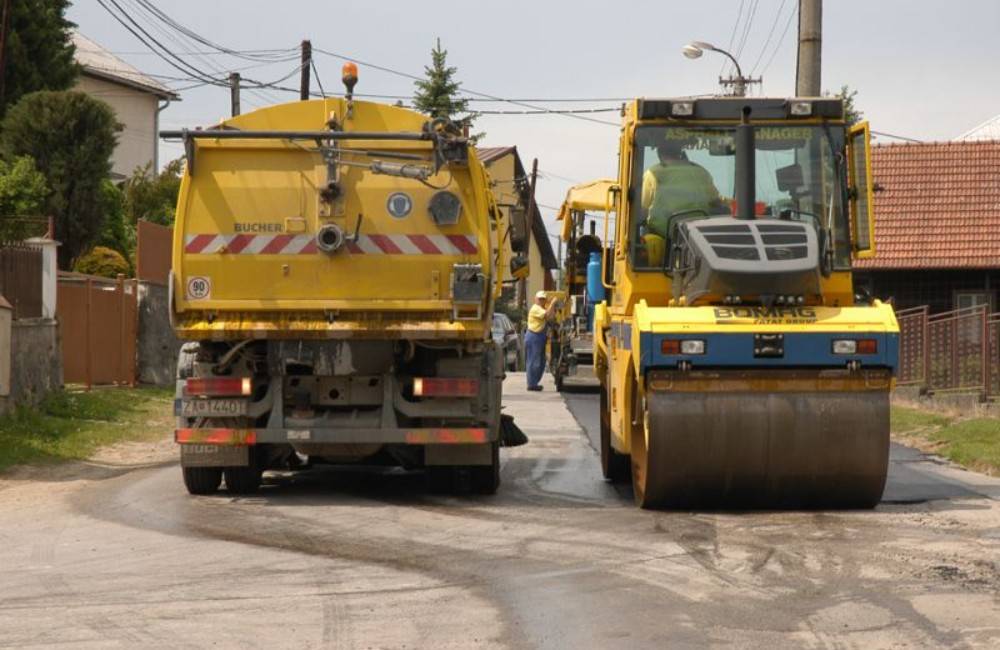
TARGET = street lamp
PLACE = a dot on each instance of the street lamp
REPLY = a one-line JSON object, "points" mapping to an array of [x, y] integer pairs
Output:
{"points": [[695, 49]]}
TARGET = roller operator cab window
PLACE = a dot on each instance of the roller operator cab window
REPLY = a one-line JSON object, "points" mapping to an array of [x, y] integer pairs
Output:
{"points": [[686, 173]]}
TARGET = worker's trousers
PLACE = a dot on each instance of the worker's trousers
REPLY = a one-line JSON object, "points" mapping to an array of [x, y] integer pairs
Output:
{"points": [[534, 352]]}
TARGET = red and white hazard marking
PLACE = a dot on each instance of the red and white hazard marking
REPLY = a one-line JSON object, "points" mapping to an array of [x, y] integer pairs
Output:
{"points": [[245, 244]]}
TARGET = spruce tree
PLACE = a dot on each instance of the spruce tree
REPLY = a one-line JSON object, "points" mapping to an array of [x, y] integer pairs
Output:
{"points": [[437, 95]]}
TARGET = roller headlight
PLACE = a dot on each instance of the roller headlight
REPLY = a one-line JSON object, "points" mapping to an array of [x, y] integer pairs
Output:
{"points": [[445, 208]]}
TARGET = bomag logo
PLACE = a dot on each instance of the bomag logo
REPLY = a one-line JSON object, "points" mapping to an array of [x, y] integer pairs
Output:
{"points": [[766, 315]]}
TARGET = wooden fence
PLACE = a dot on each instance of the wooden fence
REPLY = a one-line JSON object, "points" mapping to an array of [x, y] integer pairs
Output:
{"points": [[99, 327], [21, 279], [952, 351]]}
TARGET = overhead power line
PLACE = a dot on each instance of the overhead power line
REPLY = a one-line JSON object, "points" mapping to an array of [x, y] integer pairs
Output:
{"points": [[770, 35], [781, 40], [413, 77]]}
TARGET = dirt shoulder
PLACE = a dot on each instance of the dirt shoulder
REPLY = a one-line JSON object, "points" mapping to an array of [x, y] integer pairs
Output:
{"points": [[104, 433]]}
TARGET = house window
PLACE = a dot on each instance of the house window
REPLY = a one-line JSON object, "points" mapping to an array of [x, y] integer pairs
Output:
{"points": [[966, 299]]}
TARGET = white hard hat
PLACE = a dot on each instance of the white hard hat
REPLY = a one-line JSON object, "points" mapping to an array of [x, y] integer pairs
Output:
{"points": [[540, 294]]}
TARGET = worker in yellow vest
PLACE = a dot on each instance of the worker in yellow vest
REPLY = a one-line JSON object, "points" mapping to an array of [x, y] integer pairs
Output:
{"points": [[534, 339], [671, 187]]}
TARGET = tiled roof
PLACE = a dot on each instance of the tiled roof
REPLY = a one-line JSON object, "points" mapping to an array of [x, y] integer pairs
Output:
{"points": [[939, 206], [98, 62], [489, 154]]}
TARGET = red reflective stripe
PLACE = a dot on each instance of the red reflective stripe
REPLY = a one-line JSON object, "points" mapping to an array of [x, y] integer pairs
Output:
{"points": [[199, 243], [462, 243], [238, 243], [215, 436], [425, 245], [386, 244], [310, 247], [354, 249], [445, 436], [277, 244]]}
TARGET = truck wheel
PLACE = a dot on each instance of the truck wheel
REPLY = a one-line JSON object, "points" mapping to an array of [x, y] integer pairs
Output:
{"points": [[614, 466], [486, 478], [202, 480], [243, 480], [440, 479]]}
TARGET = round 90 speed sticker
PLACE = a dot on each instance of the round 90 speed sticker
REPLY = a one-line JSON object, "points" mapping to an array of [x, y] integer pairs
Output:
{"points": [[199, 287]]}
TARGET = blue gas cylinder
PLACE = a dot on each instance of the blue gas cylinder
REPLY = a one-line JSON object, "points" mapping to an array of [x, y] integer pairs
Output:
{"points": [[595, 288]]}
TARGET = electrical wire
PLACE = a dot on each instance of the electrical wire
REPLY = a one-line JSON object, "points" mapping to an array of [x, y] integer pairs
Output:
{"points": [[770, 34], [732, 36], [466, 90], [746, 29], [781, 40]]}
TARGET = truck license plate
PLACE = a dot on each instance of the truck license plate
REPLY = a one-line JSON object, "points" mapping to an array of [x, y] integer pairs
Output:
{"points": [[192, 408]]}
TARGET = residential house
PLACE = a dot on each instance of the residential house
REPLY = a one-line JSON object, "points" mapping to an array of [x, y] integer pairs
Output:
{"points": [[937, 225], [136, 98], [510, 186]]}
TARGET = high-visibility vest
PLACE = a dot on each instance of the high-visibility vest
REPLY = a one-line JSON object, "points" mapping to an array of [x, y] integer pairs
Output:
{"points": [[680, 186]]}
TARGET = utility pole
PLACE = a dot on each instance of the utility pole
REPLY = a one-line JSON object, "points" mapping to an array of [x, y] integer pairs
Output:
{"points": [[808, 82], [307, 54], [234, 92], [529, 217], [4, 28]]}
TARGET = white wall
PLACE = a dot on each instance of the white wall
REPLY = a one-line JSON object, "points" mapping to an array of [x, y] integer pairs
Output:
{"points": [[136, 110]]}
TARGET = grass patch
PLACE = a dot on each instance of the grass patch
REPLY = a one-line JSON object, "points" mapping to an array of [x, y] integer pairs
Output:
{"points": [[906, 420], [72, 425], [972, 443]]}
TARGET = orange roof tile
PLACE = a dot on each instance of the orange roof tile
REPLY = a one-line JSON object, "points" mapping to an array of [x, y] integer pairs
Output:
{"points": [[939, 206]]}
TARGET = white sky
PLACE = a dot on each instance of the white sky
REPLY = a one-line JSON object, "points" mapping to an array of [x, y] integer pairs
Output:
{"points": [[922, 68]]}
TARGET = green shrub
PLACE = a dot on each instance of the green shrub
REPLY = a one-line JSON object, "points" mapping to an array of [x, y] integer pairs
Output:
{"points": [[102, 261]]}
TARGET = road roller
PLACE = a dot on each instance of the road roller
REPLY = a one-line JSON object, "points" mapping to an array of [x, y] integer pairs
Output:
{"points": [[739, 368], [571, 341]]}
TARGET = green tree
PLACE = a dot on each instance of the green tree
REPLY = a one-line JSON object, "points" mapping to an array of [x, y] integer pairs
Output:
{"points": [[153, 197], [22, 197], [852, 113], [102, 261], [118, 233], [437, 95], [71, 136], [39, 50]]}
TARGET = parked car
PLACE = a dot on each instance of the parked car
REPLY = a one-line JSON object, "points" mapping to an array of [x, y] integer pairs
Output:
{"points": [[506, 335]]}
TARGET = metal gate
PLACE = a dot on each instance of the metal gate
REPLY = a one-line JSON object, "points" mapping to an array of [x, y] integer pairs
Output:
{"points": [[98, 327]]}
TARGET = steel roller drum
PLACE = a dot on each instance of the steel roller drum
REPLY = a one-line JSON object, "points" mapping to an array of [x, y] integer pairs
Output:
{"points": [[763, 439]]}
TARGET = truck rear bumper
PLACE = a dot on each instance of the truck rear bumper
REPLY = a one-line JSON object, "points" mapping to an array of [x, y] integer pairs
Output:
{"points": [[414, 436]]}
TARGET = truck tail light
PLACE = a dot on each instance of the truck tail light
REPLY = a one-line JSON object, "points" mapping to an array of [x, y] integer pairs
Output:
{"points": [[445, 387], [217, 387]]}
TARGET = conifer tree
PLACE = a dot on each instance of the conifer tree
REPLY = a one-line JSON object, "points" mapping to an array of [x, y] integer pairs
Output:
{"points": [[437, 95]]}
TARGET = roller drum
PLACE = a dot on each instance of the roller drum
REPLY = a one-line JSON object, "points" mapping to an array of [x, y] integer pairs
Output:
{"points": [[756, 449]]}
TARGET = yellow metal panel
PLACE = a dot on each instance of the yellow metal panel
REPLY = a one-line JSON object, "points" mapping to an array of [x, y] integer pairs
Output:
{"points": [[860, 135]]}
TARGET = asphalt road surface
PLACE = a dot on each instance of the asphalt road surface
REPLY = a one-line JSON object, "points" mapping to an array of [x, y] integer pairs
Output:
{"points": [[97, 555]]}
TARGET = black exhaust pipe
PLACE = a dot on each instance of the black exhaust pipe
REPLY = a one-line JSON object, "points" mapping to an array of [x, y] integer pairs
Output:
{"points": [[746, 182]]}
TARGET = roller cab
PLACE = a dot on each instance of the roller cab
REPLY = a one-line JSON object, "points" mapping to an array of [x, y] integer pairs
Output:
{"points": [[738, 367]]}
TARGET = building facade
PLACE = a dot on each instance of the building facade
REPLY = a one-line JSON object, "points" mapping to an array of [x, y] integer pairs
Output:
{"points": [[510, 188], [136, 99], [937, 225]]}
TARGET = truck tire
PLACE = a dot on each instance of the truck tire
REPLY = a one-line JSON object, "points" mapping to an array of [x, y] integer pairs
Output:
{"points": [[486, 478], [202, 480], [243, 480], [614, 466]]}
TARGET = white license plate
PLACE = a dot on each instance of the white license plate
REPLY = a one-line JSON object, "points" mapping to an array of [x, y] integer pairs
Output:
{"points": [[193, 408]]}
